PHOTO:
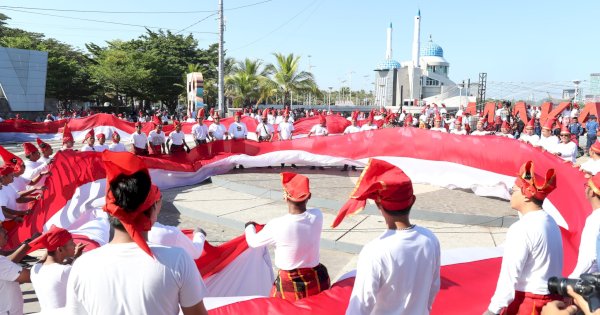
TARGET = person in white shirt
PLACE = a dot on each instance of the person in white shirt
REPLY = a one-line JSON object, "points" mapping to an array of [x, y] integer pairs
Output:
{"points": [[480, 131], [136, 277], [547, 141], [177, 139], [49, 277], [529, 136], [238, 130], [46, 151], [217, 131], [587, 262], [437, 124], [11, 275], [533, 249], [271, 117], [279, 118], [139, 140], [369, 124], [566, 148], [399, 271], [157, 140], [353, 128], [68, 140], [458, 127], [199, 130], [49, 118], [319, 130], [116, 145], [172, 236], [265, 130], [505, 130], [286, 130], [296, 237], [592, 165], [33, 165], [88, 142], [101, 146]]}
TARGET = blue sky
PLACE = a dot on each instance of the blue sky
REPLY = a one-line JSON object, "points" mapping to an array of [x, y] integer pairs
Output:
{"points": [[550, 42]]}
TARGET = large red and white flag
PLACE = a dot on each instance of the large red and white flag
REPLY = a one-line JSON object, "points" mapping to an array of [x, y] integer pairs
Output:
{"points": [[487, 165]]}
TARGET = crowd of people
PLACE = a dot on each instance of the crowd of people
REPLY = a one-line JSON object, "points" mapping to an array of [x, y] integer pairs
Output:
{"points": [[148, 267]]}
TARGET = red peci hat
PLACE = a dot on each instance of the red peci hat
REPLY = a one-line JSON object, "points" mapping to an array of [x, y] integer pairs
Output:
{"points": [[201, 113], [100, 136], [138, 124], [9, 158], [505, 125], [530, 124], [156, 121], [596, 147], [594, 183], [382, 182], [41, 143], [90, 134], [458, 120], [549, 123], [564, 130], [532, 185], [238, 113], [295, 186], [51, 240], [322, 119], [6, 169], [67, 135], [265, 113], [29, 148], [115, 136]]}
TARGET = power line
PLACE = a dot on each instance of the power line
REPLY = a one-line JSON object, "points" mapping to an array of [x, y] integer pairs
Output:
{"points": [[101, 21], [133, 12], [197, 22]]}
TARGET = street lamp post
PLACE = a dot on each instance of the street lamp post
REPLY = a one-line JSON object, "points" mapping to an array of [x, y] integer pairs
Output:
{"points": [[576, 82], [460, 87], [329, 99]]}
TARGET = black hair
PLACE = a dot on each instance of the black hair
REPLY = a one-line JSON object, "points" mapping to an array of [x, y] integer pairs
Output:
{"points": [[537, 202], [130, 191], [397, 213]]}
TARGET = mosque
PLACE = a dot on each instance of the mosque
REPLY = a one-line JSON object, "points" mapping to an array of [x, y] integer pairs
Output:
{"points": [[423, 78]]}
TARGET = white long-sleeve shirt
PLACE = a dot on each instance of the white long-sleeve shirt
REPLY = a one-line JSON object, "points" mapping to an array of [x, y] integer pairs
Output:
{"points": [[532, 254], [533, 139], [296, 238], [591, 166], [33, 169], [548, 143], [397, 273], [172, 236], [568, 151], [117, 147], [586, 260]]}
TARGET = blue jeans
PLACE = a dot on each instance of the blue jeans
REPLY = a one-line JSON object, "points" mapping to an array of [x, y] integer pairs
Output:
{"points": [[590, 140]]}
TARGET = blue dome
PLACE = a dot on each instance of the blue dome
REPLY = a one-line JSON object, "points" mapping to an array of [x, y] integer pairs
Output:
{"points": [[432, 49], [388, 64]]}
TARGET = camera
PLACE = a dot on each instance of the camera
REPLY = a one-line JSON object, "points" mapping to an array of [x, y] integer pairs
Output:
{"points": [[587, 286]]}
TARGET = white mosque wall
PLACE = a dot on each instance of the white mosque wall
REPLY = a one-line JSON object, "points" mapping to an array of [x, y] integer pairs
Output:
{"points": [[23, 78]]}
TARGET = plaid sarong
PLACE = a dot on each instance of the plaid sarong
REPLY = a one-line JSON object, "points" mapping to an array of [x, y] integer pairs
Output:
{"points": [[300, 283]]}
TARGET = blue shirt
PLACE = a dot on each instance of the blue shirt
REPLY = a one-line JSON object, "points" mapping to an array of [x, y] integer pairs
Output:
{"points": [[591, 127], [575, 129]]}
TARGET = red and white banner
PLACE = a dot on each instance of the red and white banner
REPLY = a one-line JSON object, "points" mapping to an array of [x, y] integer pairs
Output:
{"points": [[487, 165]]}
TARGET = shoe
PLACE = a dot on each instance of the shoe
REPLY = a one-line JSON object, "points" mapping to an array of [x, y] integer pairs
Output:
{"points": [[294, 166], [321, 168], [354, 168], [313, 167]]}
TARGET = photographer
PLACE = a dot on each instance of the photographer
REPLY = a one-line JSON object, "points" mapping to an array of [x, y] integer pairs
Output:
{"points": [[560, 308]]}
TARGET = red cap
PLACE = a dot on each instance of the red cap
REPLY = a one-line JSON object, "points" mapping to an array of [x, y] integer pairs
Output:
{"points": [[505, 125], [90, 134], [49, 116], [6, 169], [177, 123], [51, 240], [530, 124], [409, 119], [41, 143], [564, 130], [211, 112], [354, 115], [29, 148], [67, 135], [549, 124], [458, 120], [295, 186], [437, 117], [382, 182], [371, 117], [138, 123], [238, 113], [596, 147], [265, 113], [9, 158], [216, 115], [594, 183], [114, 136], [533, 186], [134, 220], [322, 119], [100, 136], [286, 113], [201, 113]]}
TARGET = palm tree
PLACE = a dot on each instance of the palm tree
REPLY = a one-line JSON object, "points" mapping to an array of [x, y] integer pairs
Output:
{"points": [[288, 78], [242, 85]]}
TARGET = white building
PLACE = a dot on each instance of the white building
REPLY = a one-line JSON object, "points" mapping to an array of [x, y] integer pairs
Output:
{"points": [[23, 78], [424, 77]]}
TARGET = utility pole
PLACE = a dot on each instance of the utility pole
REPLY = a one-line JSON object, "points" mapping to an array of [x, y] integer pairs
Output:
{"points": [[221, 62]]}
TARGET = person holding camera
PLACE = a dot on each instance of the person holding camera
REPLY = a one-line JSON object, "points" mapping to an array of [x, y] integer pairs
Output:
{"points": [[532, 251]]}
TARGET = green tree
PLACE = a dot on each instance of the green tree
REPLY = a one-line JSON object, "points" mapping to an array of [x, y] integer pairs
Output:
{"points": [[288, 78], [243, 84]]}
